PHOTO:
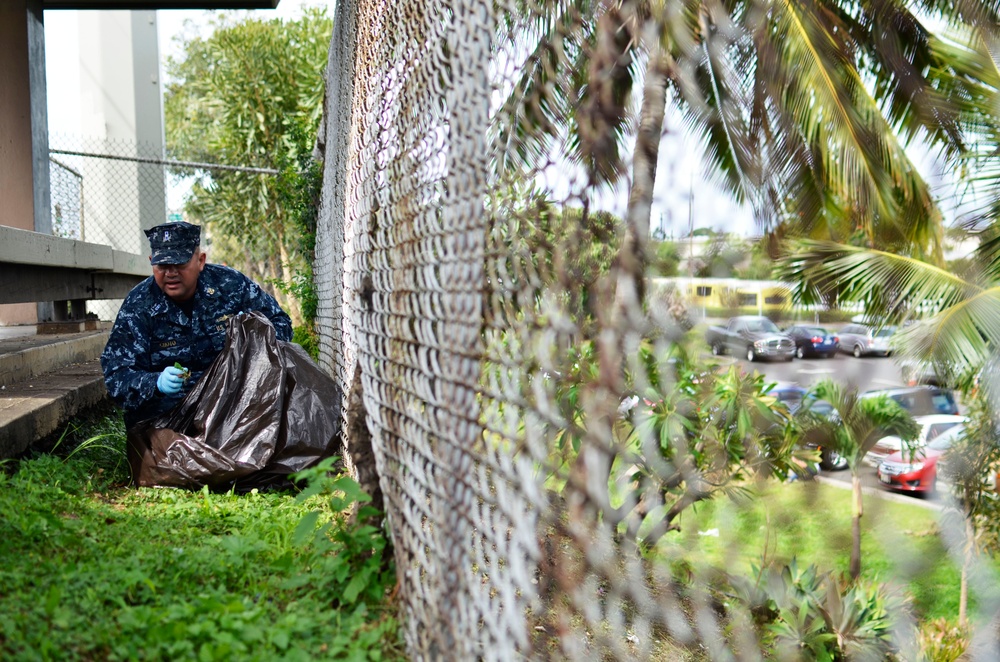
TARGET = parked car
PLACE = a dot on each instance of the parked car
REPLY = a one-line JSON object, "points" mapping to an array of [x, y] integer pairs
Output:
{"points": [[931, 427], [918, 470], [924, 372], [788, 393], [863, 340], [920, 400], [813, 341], [795, 397], [917, 372], [751, 336]]}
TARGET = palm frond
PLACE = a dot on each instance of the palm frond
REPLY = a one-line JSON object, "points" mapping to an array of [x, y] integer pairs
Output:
{"points": [[600, 116], [896, 52], [892, 287], [987, 255], [956, 322], [968, 75], [973, 13], [537, 106], [863, 159], [959, 340]]}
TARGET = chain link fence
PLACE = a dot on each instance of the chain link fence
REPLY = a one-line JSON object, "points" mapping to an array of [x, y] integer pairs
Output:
{"points": [[107, 191], [120, 187], [490, 328], [67, 200]]}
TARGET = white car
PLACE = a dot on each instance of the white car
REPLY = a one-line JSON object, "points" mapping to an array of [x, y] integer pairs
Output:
{"points": [[930, 427]]}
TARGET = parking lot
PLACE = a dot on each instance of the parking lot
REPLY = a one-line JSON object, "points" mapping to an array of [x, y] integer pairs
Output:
{"points": [[867, 373]]}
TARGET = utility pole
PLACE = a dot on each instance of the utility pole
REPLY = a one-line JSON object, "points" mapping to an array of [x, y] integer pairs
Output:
{"points": [[691, 226]]}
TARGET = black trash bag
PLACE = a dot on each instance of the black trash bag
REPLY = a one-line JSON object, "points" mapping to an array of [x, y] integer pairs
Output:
{"points": [[261, 411]]}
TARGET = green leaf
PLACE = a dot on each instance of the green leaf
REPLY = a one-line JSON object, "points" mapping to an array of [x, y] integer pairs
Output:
{"points": [[305, 530], [357, 584]]}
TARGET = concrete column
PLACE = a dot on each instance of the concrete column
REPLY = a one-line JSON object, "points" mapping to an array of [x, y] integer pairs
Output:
{"points": [[23, 177], [148, 120], [39, 118], [39, 130]]}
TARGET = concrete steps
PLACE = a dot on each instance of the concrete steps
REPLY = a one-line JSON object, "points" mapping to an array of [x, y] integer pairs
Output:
{"points": [[44, 382]]}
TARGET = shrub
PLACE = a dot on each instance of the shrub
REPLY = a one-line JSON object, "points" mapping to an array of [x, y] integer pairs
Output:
{"points": [[940, 641], [805, 614]]}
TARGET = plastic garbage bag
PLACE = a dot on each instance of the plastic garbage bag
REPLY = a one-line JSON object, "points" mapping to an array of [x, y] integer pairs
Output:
{"points": [[261, 411]]}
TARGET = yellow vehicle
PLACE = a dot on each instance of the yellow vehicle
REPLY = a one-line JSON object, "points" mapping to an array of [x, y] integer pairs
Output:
{"points": [[729, 294]]}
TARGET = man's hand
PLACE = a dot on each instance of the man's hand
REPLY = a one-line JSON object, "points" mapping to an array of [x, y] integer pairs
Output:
{"points": [[170, 380]]}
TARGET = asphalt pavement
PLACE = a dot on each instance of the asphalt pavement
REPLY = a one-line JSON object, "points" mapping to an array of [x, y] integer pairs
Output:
{"points": [[872, 372]]}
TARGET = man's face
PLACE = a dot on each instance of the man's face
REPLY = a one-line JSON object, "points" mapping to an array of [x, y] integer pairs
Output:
{"points": [[180, 281]]}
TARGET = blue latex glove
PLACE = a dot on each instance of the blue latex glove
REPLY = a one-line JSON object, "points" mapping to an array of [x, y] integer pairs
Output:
{"points": [[170, 380]]}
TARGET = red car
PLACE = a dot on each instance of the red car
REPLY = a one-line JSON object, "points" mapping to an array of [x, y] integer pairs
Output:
{"points": [[916, 470]]}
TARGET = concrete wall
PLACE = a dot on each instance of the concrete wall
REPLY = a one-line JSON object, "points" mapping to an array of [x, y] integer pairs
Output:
{"points": [[16, 180], [16, 146], [120, 98]]}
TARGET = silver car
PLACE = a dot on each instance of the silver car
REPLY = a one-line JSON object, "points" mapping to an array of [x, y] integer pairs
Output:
{"points": [[862, 340]]}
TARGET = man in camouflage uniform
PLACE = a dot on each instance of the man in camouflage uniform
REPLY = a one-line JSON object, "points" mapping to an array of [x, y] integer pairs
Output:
{"points": [[178, 315]]}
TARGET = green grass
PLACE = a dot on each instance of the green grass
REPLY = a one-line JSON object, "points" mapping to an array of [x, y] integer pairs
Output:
{"points": [[811, 522], [91, 569]]}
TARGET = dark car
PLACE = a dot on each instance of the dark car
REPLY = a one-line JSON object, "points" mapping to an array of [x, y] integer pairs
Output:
{"points": [[813, 341], [920, 400], [752, 336], [795, 397]]}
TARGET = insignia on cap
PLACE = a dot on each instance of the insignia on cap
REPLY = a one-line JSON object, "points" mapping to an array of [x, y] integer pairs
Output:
{"points": [[173, 243]]}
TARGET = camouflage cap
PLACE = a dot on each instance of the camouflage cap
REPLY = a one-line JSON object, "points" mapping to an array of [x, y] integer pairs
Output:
{"points": [[173, 243]]}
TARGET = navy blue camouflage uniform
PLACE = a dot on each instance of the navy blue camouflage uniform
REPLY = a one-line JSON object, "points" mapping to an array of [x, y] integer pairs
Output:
{"points": [[152, 332]]}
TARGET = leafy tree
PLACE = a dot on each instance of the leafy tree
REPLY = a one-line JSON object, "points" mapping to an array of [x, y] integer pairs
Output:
{"points": [[851, 431], [250, 94], [723, 257], [665, 258], [759, 266], [972, 465], [698, 434], [566, 252]]}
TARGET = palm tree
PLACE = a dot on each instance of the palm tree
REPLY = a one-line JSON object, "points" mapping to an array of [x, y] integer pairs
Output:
{"points": [[957, 315], [801, 106], [857, 424]]}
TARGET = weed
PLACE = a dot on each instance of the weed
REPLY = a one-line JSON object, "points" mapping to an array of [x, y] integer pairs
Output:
{"points": [[95, 570]]}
